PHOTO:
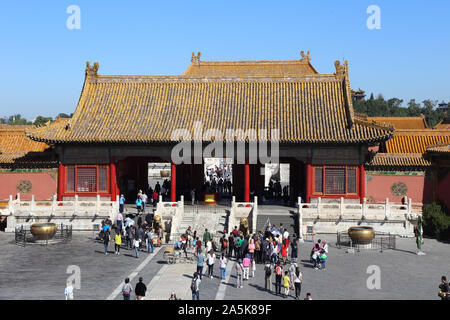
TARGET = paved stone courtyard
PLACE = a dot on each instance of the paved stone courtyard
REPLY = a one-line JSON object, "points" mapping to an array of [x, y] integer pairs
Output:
{"points": [[39, 272]]}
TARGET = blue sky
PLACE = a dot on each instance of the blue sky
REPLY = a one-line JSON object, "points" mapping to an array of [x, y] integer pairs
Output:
{"points": [[42, 62]]}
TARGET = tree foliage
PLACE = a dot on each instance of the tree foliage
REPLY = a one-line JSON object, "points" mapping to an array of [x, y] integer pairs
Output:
{"points": [[17, 119], [393, 107], [436, 223]]}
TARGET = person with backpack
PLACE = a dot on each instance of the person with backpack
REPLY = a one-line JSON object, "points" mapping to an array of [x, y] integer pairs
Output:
{"points": [[150, 237], [106, 239], [286, 284], [117, 242], [246, 264], [444, 289], [274, 253], [206, 237], [155, 197], [139, 205], [200, 262], [294, 250], [223, 244], [211, 260], [199, 246], [237, 247], [223, 266], [315, 259], [136, 244], [322, 260], [298, 279], [230, 245], [121, 203], [266, 250], [278, 276], [126, 289], [268, 271], [195, 286], [251, 248], [239, 272], [258, 250], [140, 289]]}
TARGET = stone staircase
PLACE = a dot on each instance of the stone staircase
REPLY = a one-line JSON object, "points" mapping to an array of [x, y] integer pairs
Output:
{"points": [[202, 217], [277, 215]]}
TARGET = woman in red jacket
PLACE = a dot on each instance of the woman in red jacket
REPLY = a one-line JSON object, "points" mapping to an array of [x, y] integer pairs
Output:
{"points": [[284, 250]]}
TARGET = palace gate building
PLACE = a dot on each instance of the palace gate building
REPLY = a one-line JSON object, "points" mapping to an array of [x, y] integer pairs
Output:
{"points": [[123, 122]]}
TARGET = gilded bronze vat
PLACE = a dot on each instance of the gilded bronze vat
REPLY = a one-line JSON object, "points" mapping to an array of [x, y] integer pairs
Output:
{"points": [[43, 231], [361, 235]]}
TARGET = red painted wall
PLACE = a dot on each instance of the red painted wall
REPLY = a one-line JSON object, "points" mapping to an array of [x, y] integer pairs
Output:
{"points": [[443, 191], [44, 186], [378, 188]]}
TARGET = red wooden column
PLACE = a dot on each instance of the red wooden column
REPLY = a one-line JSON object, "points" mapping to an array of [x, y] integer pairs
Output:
{"points": [[61, 180], [247, 181], [309, 183], [112, 179], [173, 183], [362, 183]]}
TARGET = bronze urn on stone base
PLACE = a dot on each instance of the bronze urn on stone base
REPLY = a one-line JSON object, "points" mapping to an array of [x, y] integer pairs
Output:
{"points": [[43, 231], [361, 235]]}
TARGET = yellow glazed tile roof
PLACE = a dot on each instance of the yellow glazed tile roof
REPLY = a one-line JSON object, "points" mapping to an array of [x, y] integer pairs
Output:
{"points": [[415, 141], [147, 109], [16, 147], [274, 68], [402, 122], [439, 148], [398, 160]]}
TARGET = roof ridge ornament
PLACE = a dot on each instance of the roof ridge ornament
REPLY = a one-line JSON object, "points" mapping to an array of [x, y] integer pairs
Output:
{"points": [[91, 71], [341, 70], [195, 59], [305, 57]]}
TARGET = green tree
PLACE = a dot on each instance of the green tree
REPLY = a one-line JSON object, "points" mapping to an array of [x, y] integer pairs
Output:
{"points": [[64, 115], [17, 120], [40, 120]]}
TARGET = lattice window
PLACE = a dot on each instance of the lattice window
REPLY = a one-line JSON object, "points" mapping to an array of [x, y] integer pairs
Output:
{"points": [[103, 179], [318, 180], [335, 180], [87, 179], [70, 179], [351, 180]]}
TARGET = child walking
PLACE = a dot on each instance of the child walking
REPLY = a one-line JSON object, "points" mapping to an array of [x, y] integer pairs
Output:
{"points": [[286, 283]]}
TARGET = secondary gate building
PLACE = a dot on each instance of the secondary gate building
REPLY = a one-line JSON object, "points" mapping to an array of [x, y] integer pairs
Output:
{"points": [[123, 122]]}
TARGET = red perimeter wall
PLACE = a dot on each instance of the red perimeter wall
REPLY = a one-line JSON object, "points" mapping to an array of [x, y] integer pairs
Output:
{"points": [[44, 185], [378, 188]]}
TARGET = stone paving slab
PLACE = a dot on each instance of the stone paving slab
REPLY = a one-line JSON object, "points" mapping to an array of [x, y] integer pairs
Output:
{"points": [[39, 272], [404, 275]]}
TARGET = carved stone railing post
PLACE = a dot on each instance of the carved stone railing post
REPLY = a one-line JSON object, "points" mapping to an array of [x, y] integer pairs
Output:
{"points": [[300, 220], [75, 204], [319, 200], [386, 209]]}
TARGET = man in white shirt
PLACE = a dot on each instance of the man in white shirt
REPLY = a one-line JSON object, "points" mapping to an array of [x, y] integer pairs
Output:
{"points": [[285, 234], [315, 257], [144, 201]]}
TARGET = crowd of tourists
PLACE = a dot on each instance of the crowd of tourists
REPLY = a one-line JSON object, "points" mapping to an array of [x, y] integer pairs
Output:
{"points": [[273, 248], [151, 197], [125, 233]]}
